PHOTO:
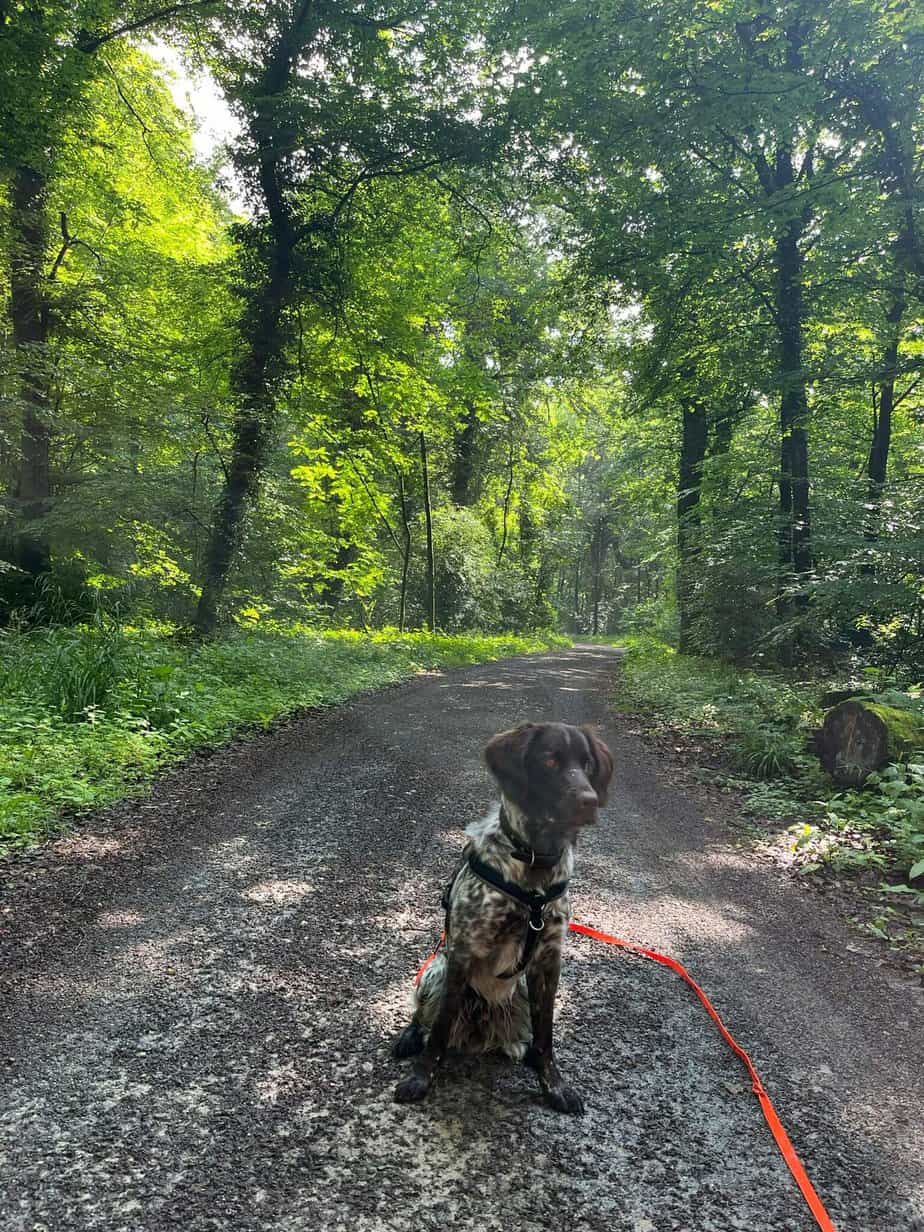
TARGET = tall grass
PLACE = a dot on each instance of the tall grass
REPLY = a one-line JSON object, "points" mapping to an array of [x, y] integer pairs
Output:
{"points": [[88, 714]]}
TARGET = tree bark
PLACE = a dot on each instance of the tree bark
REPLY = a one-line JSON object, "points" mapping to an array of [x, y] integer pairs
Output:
{"points": [[406, 554], [693, 443], [29, 549], [860, 735], [598, 548], [507, 495], [462, 476], [795, 542], [256, 377], [254, 384], [428, 514], [878, 461]]}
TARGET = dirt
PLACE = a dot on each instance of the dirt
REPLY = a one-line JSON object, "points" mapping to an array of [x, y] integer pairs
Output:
{"points": [[199, 990]]}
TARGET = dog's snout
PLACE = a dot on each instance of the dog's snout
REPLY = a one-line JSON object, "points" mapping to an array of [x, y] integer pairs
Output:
{"points": [[586, 801]]}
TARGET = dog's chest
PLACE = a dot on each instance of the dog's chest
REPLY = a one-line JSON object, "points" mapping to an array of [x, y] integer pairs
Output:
{"points": [[495, 938]]}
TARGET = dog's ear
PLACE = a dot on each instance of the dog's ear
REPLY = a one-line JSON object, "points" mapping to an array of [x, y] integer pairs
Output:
{"points": [[603, 764], [505, 757]]}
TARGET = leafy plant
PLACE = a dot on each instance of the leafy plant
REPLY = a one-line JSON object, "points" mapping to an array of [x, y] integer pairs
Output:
{"points": [[88, 714]]}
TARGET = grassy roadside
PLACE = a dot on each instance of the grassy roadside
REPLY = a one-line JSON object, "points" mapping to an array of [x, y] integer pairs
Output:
{"points": [[89, 714], [750, 729]]}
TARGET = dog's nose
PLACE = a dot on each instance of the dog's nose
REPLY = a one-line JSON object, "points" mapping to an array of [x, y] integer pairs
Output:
{"points": [[587, 800]]}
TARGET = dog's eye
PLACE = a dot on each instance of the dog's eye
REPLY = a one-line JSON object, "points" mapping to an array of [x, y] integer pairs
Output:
{"points": [[550, 762]]}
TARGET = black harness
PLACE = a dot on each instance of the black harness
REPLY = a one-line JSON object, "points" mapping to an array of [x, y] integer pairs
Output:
{"points": [[534, 901]]}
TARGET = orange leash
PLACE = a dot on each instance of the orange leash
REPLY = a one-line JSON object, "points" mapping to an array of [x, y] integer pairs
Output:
{"points": [[426, 962], [780, 1136]]}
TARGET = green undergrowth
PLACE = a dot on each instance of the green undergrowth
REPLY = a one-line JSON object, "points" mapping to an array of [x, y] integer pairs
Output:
{"points": [[752, 728], [88, 714]]}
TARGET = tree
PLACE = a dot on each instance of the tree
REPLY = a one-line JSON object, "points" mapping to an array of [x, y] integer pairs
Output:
{"points": [[49, 57]]}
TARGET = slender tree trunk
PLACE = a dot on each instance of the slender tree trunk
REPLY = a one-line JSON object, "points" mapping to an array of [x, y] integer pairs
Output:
{"points": [[406, 554], [878, 462], [462, 476], [692, 454], [527, 536], [598, 548], [428, 514], [29, 314], [507, 495], [795, 542]]}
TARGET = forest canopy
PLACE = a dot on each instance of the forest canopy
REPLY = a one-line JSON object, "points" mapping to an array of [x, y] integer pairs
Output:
{"points": [[594, 317]]}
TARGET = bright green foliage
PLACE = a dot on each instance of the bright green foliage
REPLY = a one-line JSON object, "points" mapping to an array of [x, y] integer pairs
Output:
{"points": [[759, 724], [87, 714]]}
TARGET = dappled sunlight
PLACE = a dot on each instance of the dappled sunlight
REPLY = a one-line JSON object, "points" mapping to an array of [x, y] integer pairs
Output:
{"points": [[689, 920], [93, 847], [277, 1081], [119, 919], [238, 852], [279, 892], [479, 684]]}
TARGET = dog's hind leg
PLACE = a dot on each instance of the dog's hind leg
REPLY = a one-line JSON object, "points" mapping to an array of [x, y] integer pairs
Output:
{"points": [[452, 982], [427, 998]]}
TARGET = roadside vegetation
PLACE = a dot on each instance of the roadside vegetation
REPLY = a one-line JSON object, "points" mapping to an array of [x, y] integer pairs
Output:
{"points": [[89, 713], [750, 732]]}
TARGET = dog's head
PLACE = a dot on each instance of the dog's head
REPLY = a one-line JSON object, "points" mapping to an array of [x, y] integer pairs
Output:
{"points": [[557, 775]]}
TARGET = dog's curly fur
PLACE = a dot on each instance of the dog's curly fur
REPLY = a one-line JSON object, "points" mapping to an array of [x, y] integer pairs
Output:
{"points": [[553, 778]]}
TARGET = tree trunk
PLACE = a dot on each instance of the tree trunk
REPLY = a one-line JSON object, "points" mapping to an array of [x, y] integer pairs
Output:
{"points": [[795, 544], [428, 514], [598, 547], [859, 736], [29, 549], [507, 495], [253, 382], [462, 477], [256, 376], [878, 462], [692, 454], [406, 554]]}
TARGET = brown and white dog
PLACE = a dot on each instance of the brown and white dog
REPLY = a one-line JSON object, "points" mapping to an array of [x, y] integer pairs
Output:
{"points": [[493, 986]]}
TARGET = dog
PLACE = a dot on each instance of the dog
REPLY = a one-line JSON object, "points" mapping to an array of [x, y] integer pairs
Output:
{"points": [[492, 986]]}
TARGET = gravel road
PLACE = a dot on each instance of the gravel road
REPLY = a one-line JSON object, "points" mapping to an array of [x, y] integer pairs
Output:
{"points": [[198, 993]]}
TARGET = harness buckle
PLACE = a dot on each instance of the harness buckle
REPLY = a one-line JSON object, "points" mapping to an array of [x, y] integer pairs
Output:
{"points": [[537, 928]]}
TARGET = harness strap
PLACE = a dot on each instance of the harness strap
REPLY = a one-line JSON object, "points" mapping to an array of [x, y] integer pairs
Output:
{"points": [[534, 901]]}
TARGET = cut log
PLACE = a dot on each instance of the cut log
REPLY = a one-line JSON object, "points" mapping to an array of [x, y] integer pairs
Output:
{"points": [[860, 736]]}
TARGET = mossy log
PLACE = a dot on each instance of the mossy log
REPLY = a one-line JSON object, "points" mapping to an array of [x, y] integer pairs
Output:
{"points": [[860, 736]]}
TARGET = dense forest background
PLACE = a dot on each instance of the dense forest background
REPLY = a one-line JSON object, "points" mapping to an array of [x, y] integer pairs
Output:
{"points": [[590, 316]]}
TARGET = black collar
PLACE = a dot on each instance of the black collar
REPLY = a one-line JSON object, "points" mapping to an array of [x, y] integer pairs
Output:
{"points": [[526, 855]]}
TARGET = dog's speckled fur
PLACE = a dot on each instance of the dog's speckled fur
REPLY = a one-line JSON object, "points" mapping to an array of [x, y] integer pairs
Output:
{"points": [[552, 779]]}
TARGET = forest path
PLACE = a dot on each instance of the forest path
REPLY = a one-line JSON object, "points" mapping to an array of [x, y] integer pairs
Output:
{"points": [[199, 993]]}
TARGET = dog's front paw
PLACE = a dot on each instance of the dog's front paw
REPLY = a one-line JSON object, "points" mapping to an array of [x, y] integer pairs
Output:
{"points": [[565, 1099], [412, 1089]]}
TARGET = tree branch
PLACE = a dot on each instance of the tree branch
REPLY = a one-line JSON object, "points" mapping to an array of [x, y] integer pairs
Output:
{"points": [[89, 43]]}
